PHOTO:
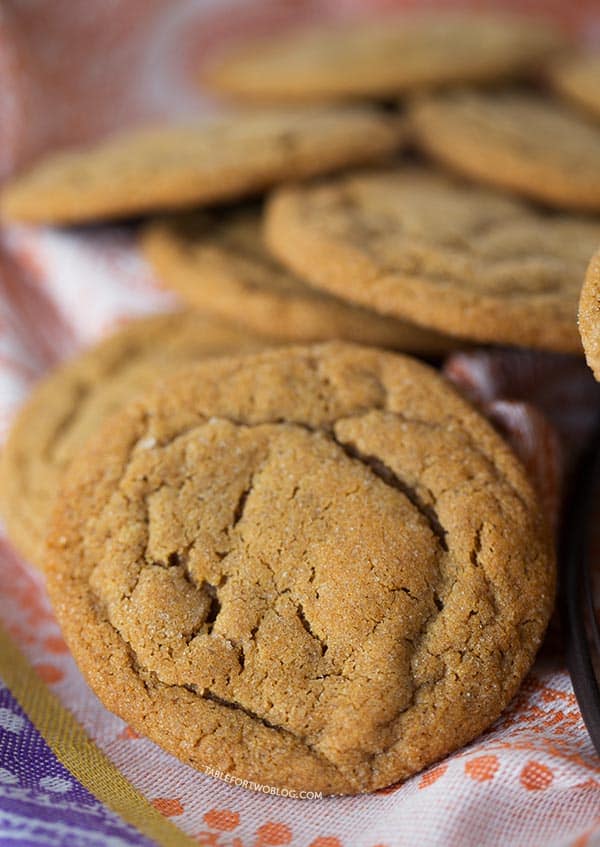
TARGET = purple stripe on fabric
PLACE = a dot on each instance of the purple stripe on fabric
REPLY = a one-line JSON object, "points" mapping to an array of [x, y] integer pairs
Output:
{"points": [[41, 802]]}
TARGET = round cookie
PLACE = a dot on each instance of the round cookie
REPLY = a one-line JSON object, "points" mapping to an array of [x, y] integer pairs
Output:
{"points": [[219, 263], [589, 315], [455, 258], [383, 58], [578, 80], [520, 142], [67, 406], [316, 568], [187, 165]]}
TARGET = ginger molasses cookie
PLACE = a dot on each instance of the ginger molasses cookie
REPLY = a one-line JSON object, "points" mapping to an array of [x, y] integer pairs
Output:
{"points": [[316, 568], [520, 142], [452, 257], [383, 58], [578, 79], [67, 406], [217, 262], [589, 315], [179, 166]]}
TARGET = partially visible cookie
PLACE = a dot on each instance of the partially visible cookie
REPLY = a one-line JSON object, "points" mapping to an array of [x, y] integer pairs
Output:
{"points": [[71, 403], [452, 257], [179, 166], [578, 80], [219, 263], [521, 142], [384, 58], [589, 315], [315, 568]]}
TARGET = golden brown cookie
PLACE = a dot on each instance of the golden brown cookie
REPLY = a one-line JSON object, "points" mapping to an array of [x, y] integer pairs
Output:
{"points": [[315, 568], [383, 58], [67, 406], [578, 80], [203, 163], [520, 142], [589, 315], [219, 263], [451, 257]]}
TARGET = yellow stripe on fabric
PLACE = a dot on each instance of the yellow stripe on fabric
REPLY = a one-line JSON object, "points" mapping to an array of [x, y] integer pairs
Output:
{"points": [[77, 752]]}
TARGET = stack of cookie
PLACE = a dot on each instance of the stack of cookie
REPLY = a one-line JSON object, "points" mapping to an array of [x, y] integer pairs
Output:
{"points": [[280, 554]]}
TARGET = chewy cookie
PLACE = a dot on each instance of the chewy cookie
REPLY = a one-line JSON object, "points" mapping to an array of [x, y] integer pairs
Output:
{"points": [[578, 80], [515, 141], [218, 263], [70, 404], [589, 315], [384, 58], [180, 166], [317, 568], [452, 257]]}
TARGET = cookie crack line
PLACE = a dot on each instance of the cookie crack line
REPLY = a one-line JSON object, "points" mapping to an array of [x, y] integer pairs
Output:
{"points": [[390, 478], [206, 694], [233, 705], [374, 463], [308, 627], [238, 512], [328, 430], [416, 644], [477, 563]]}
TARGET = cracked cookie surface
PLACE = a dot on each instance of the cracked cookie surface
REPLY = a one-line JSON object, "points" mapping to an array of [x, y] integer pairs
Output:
{"points": [[316, 568], [219, 263], [589, 315], [399, 54], [456, 258], [190, 165], [521, 142], [67, 406]]}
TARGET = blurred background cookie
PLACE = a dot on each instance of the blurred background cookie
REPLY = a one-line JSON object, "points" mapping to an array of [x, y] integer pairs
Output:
{"points": [[184, 165], [385, 58], [515, 141], [452, 257], [578, 79], [218, 263], [589, 315]]}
